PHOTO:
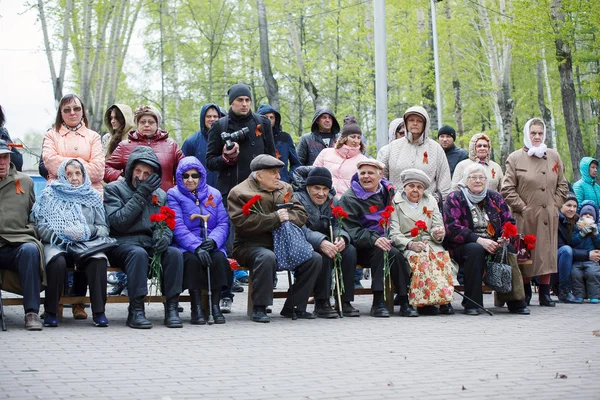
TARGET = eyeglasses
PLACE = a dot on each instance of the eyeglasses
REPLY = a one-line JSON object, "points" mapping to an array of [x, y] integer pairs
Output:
{"points": [[482, 146], [478, 178], [74, 109], [193, 176]]}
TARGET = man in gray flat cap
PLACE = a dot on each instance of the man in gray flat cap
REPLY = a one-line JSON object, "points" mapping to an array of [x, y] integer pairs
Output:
{"points": [[253, 236]]}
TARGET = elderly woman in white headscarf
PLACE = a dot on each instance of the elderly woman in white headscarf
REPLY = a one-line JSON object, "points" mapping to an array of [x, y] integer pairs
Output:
{"points": [[535, 188], [480, 149], [414, 207]]}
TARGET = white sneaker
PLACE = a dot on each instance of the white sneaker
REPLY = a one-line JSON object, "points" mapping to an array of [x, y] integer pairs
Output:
{"points": [[226, 305]]}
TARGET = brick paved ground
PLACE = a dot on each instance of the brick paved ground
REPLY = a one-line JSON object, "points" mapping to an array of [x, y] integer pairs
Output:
{"points": [[441, 357]]}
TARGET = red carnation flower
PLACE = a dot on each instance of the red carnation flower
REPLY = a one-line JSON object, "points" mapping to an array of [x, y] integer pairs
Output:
{"points": [[421, 224], [414, 232], [530, 242], [373, 209], [338, 212], [510, 230], [171, 223]]}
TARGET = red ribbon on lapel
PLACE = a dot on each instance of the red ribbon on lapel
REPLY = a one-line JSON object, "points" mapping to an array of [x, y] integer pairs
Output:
{"points": [[425, 158], [555, 168], [287, 196], [210, 202], [19, 188], [493, 173], [154, 199], [427, 212], [257, 132]]}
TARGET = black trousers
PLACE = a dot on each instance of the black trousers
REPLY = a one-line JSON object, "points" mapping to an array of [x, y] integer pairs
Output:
{"points": [[25, 260], [135, 261], [323, 283], [94, 272], [264, 265], [195, 275], [399, 268]]}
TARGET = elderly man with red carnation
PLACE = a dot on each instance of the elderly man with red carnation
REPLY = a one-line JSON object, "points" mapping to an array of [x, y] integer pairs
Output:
{"points": [[253, 244], [365, 202]]}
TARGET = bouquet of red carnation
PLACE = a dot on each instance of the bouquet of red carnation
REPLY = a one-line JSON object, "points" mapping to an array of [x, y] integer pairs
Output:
{"points": [[339, 214], [529, 242], [509, 230], [420, 227], [165, 219], [253, 206], [384, 223]]}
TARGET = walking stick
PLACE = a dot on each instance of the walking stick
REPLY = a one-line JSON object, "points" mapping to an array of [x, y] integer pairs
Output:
{"points": [[337, 278], [2, 316], [474, 302], [211, 319]]}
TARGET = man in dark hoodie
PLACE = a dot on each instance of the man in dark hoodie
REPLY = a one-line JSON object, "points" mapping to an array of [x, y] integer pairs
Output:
{"points": [[195, 145], [129, 204], [285, 150], [324, 130]]}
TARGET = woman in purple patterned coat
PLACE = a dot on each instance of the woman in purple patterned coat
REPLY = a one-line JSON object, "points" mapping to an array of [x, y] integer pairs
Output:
{"points": [[474, 217], [190, 198]]}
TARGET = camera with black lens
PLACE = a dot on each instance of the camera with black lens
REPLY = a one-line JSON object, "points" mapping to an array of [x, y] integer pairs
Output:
{"points": [[236, 136]]}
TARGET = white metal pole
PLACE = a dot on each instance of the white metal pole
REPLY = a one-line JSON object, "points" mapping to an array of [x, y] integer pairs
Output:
{"points": [[381, 109], [438, 92]]}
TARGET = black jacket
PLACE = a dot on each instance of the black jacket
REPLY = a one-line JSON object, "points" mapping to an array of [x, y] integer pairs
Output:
{"points": [[311, 144], [565, 232], [454, 156], [252, 146]]}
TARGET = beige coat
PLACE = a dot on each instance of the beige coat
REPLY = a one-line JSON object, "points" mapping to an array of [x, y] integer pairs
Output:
{"points": [[492, 169], [535, 189]]}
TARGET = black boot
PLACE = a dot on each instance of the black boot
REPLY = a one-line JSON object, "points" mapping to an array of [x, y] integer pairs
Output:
{"points": [[324, 310], [545, 299], [137, 316], [197, 314], [378, 308], [172, 319], [565, 295], [216, 310], [527, 288]]}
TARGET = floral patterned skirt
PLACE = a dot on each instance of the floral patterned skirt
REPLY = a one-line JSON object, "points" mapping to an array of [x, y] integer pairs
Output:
{"points": [[431, 281]]}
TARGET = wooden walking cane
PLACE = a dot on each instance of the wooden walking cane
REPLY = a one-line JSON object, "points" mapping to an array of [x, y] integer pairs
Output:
{"points": [[211, 319], [2, 316], [337, 278]]}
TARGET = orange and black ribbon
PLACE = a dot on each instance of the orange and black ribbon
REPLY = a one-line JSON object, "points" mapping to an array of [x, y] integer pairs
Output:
{"points": [[287, 196], [257, 132], [425, 158], [555, 168], [154, 199], [277, 154], [493, 173], [427, 212], [210, 202], [19, 188]]}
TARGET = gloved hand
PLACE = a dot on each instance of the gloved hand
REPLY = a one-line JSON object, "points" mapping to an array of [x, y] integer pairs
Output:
{"points": [[585, 230], [203, 256], [161, 245], [594, 229], [208, 245], [145, 188]]}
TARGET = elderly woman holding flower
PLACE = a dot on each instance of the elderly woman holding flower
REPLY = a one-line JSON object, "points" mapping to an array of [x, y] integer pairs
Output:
{"points": [[417, 227], [474, 223]]}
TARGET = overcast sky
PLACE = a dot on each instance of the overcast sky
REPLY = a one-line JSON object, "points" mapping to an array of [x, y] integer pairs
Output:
{"points": [[25, 88]]}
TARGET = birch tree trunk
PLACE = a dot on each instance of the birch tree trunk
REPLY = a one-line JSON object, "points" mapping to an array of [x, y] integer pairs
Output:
{"points": [[544, 111], [85, 62], [549, 94], [269, 82], [567, 89], [458, 114]]}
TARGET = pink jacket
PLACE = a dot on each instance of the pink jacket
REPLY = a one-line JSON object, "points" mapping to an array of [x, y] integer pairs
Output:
{"points": [[342, 165], [83, 144]]}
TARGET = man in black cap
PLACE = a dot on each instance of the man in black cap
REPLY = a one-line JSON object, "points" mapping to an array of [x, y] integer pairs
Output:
{"points": [[21, 253], [253, 244], [446, 137], [233, 165]]}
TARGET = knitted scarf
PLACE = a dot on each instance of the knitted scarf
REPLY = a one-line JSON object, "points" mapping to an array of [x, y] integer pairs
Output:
{"points": [[59, 208]]}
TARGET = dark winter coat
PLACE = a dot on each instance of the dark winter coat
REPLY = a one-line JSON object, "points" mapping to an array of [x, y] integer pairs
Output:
{"points": [[127, 211], [284, 145], [188, 234], [195, 145], [568, 235], [259, 141], [459, 221], [311, 143], [455, 155], [363, 225], [164, 148], [316, 228]]}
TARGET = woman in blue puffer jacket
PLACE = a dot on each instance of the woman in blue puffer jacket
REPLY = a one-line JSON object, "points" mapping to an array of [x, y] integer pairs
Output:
{"points": [[190, 198]]}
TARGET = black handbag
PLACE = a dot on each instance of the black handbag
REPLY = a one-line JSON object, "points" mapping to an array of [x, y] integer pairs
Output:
{"points": [[80, 251], [498, 274]]}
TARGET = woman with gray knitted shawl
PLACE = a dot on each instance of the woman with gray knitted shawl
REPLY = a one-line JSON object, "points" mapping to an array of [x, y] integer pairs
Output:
{"points": [[417, 150], [70, 211]]}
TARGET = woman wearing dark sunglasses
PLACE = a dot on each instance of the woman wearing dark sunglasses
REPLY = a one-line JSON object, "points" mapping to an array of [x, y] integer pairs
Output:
{"points": [[190, 198]]}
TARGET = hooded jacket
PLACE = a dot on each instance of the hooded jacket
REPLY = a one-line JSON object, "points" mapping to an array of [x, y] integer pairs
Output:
{"points": [[581, 245], [425, 154], [492, 169], [165, 149], [195, 145], [311, 143], [316, 228], [128, 115], [188, 233], [384, 151], [284, 145], [128, 212], [586, 188]]}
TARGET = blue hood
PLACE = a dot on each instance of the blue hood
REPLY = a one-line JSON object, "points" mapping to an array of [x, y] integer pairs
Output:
{"points": [[590, 203], [185, 165], [203, 112], [264, 109], [584, 169]]}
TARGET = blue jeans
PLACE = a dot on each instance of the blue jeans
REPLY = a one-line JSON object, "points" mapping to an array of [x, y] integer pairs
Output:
{"points": [[565, 263]]}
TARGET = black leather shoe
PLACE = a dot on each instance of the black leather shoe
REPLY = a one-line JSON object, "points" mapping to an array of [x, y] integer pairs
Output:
{"points": [[379, 310], [197, 314], [137, 316], [520, 311], [428, 310], [287, 313], [348, 310], [259, 315], [447, 309], [324, 310], [172, 319], [236, 287], [217, 315], [406, 310], [546, 301], [471, 311], [567, 297]]}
